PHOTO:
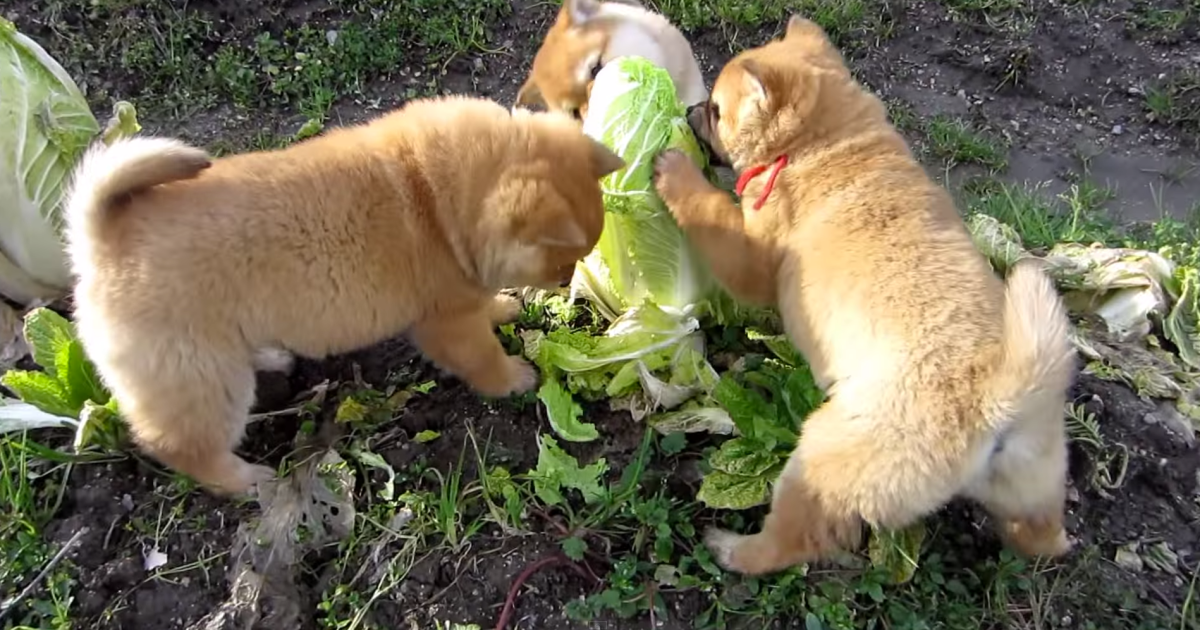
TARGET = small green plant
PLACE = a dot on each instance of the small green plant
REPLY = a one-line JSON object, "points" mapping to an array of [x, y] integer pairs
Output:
{"points": [[1109, 462], [67, 386]]}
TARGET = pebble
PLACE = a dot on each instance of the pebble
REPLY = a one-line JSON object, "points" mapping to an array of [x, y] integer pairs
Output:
{"points": [[1118, 130]]}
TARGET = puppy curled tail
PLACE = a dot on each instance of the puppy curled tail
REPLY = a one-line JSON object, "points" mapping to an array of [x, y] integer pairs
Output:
{"points": [[1039, 358], [108, 172]]}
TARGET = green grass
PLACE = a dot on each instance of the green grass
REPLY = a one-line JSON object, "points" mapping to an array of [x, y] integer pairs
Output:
{"points": [[1040, 220], [849, 22], [1163, 18], [984, 6], [957, 143], [181, 60], [1176, 101], [29, 496]]}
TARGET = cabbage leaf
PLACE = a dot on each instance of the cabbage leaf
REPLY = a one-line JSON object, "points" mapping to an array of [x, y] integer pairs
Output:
{"points": [[47, 125]]}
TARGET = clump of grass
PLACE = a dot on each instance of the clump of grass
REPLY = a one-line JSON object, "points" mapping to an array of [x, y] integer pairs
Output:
{"points": [[1176, 101], [954, 141], [1155, 18], [1040, 221]]}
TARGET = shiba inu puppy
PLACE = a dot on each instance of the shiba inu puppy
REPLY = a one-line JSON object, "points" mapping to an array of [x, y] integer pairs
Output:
{"points": [[589, 34], [192, 271], [942, 379]]}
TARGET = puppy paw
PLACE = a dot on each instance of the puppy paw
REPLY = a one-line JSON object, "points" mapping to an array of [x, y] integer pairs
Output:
{"points": [[523, 377], [512, 376], [722, 544], [1044, 537], [504, 309], [255, 475], [240, 478], [676, 176]]}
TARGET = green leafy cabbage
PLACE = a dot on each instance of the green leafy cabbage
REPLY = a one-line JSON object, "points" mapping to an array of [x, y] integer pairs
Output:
{"points": [[46, 125]]}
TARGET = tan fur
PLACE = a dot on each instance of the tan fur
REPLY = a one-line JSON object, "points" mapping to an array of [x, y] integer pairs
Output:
{"points": [[193, 272], [588, 34], [942, 379]]}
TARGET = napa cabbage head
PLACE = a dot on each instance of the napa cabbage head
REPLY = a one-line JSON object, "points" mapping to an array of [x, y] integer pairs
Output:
{"points": [[643, 277], [45, 126], [642, 254]]}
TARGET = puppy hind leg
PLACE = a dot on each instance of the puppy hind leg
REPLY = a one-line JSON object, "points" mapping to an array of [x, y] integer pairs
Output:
{"points": [[189, 413], [803, 525], [798, 529]]}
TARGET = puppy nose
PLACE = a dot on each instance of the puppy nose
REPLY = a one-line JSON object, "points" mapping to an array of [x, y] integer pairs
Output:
{"points": [[693, 108], [565, 282]]}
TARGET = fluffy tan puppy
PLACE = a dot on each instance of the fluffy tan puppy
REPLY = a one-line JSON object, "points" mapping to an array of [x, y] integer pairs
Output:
{"points": [[942, 379], [193, 271], [588, 34]]}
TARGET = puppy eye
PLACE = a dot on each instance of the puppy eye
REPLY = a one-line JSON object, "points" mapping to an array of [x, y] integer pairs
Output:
{"points": [[596, 69], [714, 111]]}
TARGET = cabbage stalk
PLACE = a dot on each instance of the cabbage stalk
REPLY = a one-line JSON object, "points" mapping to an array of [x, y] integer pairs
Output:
{"points": [[46, 126]]}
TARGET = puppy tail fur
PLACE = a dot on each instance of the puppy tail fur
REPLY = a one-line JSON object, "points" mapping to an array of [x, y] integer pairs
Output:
{"points": [[1039, 358], [108, 172]]}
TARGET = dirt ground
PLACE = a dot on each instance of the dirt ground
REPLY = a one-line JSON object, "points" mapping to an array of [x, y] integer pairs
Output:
{"points": [[1067, 87]]}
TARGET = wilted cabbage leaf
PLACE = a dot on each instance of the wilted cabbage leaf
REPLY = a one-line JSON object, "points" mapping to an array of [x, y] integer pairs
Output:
{"points": [[998, 241], [46, 125], [1123, 286], [898, 552], [1182, 325]]}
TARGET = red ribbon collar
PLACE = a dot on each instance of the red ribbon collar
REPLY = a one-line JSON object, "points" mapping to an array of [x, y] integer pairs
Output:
{"points": [[755, 171]]}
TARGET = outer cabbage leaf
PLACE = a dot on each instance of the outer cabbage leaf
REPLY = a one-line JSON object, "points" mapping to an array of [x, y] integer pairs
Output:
{"points": [[46, 125]]}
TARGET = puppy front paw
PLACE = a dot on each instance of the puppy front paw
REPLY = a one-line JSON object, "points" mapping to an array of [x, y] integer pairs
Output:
{"points": [[514, 376], [523, 377], [676, 177], [504, 309]]}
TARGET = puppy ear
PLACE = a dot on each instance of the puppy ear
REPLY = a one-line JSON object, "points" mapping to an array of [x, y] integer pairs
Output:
{"points": [[800, 28], [604, 161], [562, 231], [798, 25], [580, 12], [754, 76], [529, 94]]}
